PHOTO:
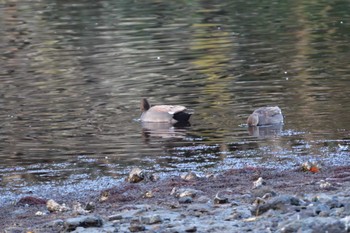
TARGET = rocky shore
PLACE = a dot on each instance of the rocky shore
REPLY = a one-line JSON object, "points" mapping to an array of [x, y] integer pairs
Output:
{"points": [[244, 200]]}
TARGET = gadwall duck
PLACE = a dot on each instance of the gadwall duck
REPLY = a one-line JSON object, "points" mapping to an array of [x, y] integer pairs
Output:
{"points": [[163, 113], [265, 116]]}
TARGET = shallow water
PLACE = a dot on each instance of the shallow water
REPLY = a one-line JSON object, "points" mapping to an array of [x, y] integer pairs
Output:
{"points": [[72, 76]]}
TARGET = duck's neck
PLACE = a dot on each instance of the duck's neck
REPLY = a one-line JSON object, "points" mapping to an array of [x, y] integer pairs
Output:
{"points": [[144, 105]]}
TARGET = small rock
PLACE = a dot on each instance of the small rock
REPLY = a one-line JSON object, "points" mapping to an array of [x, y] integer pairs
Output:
{"points": [[90, 206], [53, 206], [153, 219], [14, 230], [189, 176], [240, 212], [104, 196], [29, 200], [221, 198], [184, 192], [115, 217], [185, 200], [149, 194], [40, 213], [315, 224], [78, 209], [259, 183], [136, 175], [324, 184], [282, 202], [136, 226], [83, 221], [56, 225], [191, 229], [203, 199]]}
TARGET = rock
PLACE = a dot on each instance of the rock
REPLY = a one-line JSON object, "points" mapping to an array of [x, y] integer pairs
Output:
{"points": [[189, 176], [56, 225], [149, 194], [259, 183], [346, 221], [29, 200], [40, 213], [14, 230], [221, 198], [78, 209], [203, 199], [282, 202], [83, 221], [324, 184], [136, 175], [191, 229], [136, 226], [53, 206], [185, 200], [115, 217], [240, 212], [311, 225], [90, 207], [153, 219], [322, 210], [184, 192], [104, 196]]}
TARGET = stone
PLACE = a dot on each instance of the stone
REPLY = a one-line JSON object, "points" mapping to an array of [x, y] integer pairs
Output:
{"points": [[240, 212], [152, 219], [191, 229], [14, 230], [282, 202], [136, 175], [78, 209], [259, 183], [53, 206], [184, 192], [189, 176], [115, 217], [221, 198], [185, 200], [136, 226], [311, 225], [83, 221]]}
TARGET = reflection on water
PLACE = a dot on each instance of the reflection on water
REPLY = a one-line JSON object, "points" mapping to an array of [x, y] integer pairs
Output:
{"points": [[265, 131], [73, 74], [164, 130]]}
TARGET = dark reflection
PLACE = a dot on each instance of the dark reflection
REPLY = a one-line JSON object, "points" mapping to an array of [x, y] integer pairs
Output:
{"points": [[164, 130], [265, 131]]}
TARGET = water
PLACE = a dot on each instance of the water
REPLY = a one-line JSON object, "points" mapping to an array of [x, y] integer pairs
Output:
{"points": [[73, 73]]}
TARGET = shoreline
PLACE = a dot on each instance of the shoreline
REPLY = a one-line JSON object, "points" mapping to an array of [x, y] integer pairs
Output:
{"points": [[245, 200]]}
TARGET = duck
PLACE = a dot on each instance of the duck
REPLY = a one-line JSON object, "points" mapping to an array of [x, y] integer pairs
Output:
{"points": [[163, 113], [265, 116]]}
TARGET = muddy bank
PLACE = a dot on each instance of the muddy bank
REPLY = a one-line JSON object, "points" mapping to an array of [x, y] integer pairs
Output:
{"points": [[245, 200]]}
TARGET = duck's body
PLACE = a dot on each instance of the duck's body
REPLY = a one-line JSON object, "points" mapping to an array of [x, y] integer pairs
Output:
{"points": [[163, 113], [265, 116]]}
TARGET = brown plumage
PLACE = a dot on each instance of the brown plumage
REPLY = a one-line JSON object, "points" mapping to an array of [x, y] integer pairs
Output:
{"points": [[265, 116]]}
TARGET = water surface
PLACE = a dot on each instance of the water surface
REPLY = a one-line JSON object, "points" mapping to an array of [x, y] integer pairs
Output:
{"points": [[73, 73]]}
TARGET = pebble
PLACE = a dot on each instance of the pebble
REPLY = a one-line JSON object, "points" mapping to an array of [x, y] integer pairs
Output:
{"points": [[136, 175], [227, 211], [83, 221], [53, 206]]}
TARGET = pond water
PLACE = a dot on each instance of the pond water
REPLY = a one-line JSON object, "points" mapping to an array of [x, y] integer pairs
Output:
{"points": [[73, 73]]}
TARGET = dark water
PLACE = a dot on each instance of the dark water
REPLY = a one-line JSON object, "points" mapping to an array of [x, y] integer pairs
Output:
{"points": [[73, 73]]}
